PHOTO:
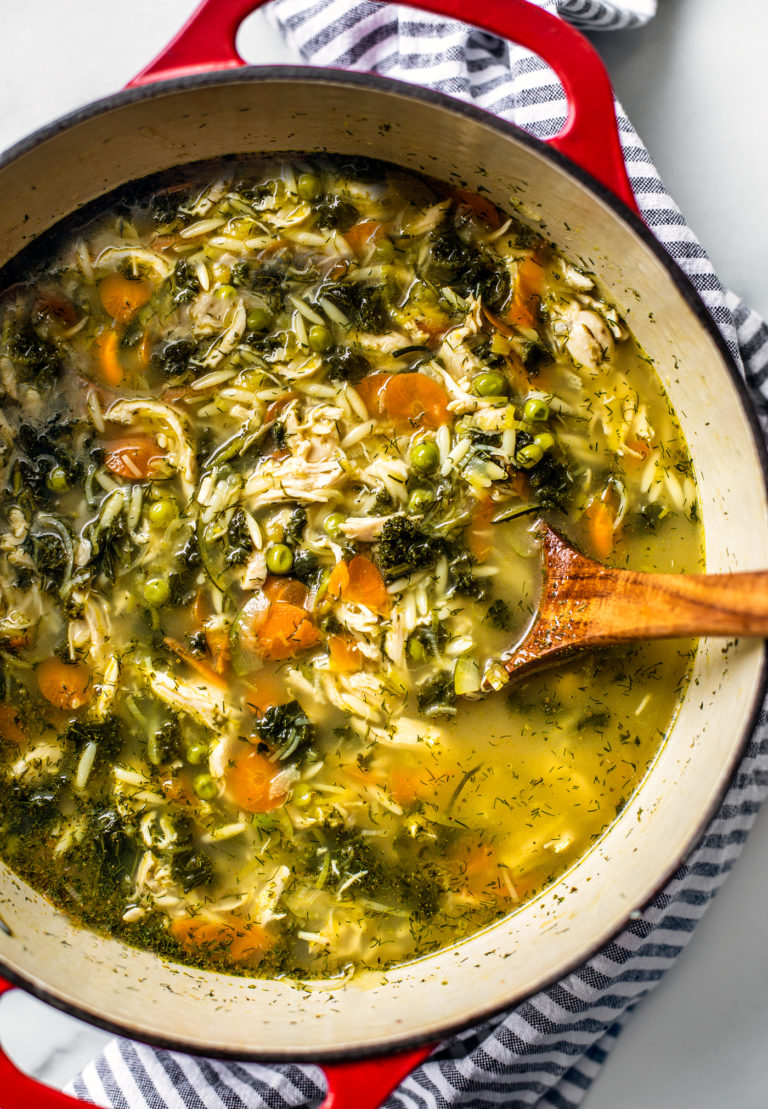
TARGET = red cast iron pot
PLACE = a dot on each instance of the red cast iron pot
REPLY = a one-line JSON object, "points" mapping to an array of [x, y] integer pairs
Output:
{"points": [[204, 104]]}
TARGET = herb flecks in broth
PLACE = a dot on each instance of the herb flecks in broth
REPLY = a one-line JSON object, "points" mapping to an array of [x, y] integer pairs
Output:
{"points": [[273, 444]]}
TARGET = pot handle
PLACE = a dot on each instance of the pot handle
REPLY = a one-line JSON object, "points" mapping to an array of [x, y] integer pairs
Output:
{"points": [[362, 1084], [19, 1091], [590, 136]]}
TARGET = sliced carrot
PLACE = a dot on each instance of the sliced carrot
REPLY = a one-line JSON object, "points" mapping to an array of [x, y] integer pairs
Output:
{"points": [[402, 782], [480, 529], [499, 324], [364, 234], [250, 782], [145, 349], [11, 728], [359, 582], [265, 691], [639, 452], [371, 392], [526, 298], [286, 632], [599, 517], [105, 345], [344, 656], [481, 874], [122, 297], [56, 305], [415, 400], [218, 649], [234, 942], [521, 485], [204, 668], [134, 456], [290, 590], [67, 685], [480, 205], [276, 407]]}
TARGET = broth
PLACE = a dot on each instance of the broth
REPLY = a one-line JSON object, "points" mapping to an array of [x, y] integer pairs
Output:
{"points": [[274, 443]]}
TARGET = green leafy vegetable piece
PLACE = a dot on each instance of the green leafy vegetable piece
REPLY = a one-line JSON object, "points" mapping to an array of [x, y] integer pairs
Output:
{"points": [[404, 548], [287, 731]]}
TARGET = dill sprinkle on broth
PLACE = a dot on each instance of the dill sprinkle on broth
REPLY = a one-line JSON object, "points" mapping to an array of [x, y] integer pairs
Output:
{"points": [[274, 439]]}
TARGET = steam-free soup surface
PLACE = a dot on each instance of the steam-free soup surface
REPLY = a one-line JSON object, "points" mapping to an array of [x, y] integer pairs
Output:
{"points": [[274, 441]]}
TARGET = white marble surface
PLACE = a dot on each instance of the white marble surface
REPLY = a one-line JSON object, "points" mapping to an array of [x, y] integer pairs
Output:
{"points": [[694, 84]]}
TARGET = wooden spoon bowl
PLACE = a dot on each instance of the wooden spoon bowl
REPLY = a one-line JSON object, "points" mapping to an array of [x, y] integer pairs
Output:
{"points": [[585, 604]]}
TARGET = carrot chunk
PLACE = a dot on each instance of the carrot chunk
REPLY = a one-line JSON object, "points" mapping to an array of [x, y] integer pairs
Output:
{"points": [[67, 685], [364, 234], [11, 728], [599, 517], [265, 691], [250, 782], [480, 529], [371, 392], [526, 299], [122, 297], [233, 942], [480, 205], [105, 346], [290, 590], [415, 400], [134, 456], [359, 582], [344, 655], [286, 632]]}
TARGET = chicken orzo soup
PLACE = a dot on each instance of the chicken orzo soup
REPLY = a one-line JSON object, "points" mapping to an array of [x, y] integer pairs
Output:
{"points": [[274, 440]]}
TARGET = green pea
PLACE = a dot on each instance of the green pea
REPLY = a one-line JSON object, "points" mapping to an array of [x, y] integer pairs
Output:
{"points": [[490, 383], [205, 787], [536, 410], [320, 338], [163, 512], [527, 457], [384, 251], [332, 524], [420, 499], [424, 457], [308, 186], [224, 292], [302, 794], [197, 752], [279, 559], [259, 319], [57, 480], [416, 652], [544, 440], [156, 591]]}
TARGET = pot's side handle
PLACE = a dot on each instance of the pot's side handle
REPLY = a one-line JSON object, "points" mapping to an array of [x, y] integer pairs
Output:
{"points": [[19, 1091], [590, 136], [363, 1084], [366, 1084]]}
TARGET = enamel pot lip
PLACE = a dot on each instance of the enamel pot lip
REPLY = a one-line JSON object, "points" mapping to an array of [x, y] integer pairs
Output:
{"points": [[506, 131]]}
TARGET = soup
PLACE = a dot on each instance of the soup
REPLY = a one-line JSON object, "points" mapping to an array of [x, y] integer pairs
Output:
{"points": [[275, 441]]}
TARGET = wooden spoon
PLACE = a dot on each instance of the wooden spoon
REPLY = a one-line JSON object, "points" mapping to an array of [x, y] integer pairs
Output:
{"points": [[585, 604]]}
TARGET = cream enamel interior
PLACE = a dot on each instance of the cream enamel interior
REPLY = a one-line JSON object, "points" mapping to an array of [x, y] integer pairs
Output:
{"points": [[207, 1012]]}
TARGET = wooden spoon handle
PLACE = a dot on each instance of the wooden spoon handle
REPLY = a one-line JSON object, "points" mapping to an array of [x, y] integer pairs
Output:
{"points": [[624, 605], [585, 604]]}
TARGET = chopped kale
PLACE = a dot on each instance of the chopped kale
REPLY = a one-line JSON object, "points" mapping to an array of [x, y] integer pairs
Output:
{"points": [[383, 503], [333, 212], [500, 616], [404, 547], [280, 435], [110, 549], [346, 364], [306, 565], [535, 356], [467, 269], [650, 515], [461, 578], [238, 540], [287, 731], [191, 869], [165, 742], [28, 811], [51, 560], [551, 483], [163, 207], [294, 529], [34, 354], [190, 555], [173, 362], [437, 695], [364, 306], [43, 447], [184, 284], [107, 734]]}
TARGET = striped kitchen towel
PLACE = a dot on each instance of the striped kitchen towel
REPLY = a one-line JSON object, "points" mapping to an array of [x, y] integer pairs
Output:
{"points": [[547, 1051]]}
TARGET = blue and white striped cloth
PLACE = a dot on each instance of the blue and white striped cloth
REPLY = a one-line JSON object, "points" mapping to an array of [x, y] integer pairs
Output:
{"points": [[547, 1051]]}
